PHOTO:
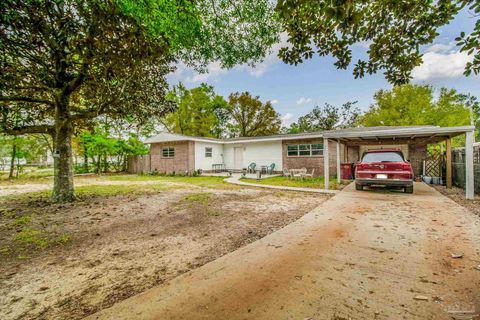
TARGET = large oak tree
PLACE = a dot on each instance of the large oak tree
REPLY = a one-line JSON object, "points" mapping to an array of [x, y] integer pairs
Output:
{"points": [[64, 62]]}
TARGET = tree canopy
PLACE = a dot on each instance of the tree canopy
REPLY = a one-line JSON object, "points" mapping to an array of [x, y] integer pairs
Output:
{"points": [[416, 105], [327, 118], [200, 112], [250, 117], [393, 30], [198, 32]]}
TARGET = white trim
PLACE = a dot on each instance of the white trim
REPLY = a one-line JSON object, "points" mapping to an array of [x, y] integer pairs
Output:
{"points": [[326, 164], [168, 137], [274, 139], [338, 163], [469, 174]]}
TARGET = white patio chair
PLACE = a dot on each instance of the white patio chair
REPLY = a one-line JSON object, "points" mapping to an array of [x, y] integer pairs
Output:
{"points": [[309, 175], [287, 173]]}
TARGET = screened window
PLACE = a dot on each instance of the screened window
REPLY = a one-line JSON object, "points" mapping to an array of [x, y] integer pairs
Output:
{"points": [[168, 152], [304, 150], [208, 152]]}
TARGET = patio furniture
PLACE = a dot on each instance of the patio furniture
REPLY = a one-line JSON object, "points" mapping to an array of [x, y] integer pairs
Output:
{"points": [[287, 173], [298, 173], [308, 175], [218, 167], [264, 169], [251, 167], [271, 168]]}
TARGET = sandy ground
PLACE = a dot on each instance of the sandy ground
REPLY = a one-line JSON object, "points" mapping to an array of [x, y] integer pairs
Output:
{"points": [[359, 255], [121, 246], [458, 195]]}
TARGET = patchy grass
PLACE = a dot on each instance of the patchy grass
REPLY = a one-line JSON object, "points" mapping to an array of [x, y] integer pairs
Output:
{"points": [[202, 202], [201, 181], [123, 184], [28, 175], [22, 220], [201, 197], [33, 237], [315, 183], [93, 190]]}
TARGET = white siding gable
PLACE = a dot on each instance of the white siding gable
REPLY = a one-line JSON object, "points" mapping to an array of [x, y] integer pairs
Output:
{"points": [[203, 162]]}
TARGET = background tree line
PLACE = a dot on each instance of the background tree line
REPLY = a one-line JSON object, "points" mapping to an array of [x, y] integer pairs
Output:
{"points": [[103, 144]]}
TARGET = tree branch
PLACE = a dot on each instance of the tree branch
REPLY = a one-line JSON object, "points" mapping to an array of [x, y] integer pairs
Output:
{"points": [[26, 99], [45, 129]]}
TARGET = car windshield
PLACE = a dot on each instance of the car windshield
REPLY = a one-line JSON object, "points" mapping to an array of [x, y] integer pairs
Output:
{"points": [[382, 157]]}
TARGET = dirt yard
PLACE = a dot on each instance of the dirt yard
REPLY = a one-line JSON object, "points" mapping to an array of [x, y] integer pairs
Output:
{"points": [[69, 261], [458, 195]]}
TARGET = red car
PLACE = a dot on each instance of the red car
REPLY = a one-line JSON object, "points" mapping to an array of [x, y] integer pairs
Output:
{"points": [[384, 167]]}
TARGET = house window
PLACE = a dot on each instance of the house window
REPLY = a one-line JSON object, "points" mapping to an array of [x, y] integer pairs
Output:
{"points": [[168, 152], [208, 152], [304, 150]]}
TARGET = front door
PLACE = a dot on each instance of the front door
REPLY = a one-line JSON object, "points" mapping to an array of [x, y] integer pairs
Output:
{"points": [[238, 154]]}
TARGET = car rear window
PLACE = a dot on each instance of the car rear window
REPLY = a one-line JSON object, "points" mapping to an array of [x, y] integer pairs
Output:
{"points": [[382, 157]]}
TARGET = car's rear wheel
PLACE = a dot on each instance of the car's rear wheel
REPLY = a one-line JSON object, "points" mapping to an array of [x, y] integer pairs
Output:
{"points": [[358, 186], [409, 189]]}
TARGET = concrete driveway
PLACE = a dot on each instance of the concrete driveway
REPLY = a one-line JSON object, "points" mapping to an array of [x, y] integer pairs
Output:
{"points": [[360, 255]]}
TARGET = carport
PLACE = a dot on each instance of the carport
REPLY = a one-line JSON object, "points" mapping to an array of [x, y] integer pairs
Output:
{"points": [[414, 138]]}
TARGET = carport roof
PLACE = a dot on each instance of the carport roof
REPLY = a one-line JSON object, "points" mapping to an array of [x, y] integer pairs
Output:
{"points": [[396, 135]]}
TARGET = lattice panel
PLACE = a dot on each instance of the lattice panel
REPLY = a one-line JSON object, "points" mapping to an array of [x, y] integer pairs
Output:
{"points": [[433, 164]]}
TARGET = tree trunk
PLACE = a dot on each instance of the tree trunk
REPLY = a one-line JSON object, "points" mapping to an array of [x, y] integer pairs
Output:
{"points": [[63, 168], [85, 159], [12, 160]]}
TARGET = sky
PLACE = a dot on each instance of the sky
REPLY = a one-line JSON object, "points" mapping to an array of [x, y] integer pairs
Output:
{"points": [[295, 90]]}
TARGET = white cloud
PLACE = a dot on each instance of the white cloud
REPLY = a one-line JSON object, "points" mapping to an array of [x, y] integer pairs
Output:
{"points": [[274, 101], [441, 61], [214, 71], [287, 120], [303, 100]]}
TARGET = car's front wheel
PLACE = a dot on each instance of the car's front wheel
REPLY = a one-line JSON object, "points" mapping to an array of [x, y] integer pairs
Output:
{"points": [[409, 189], [358, 186]]}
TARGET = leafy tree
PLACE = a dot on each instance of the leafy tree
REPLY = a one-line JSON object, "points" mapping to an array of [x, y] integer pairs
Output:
{"points": [[105, 150], [200, 112], [250, 117], [472, 103], [66, 62], [32, 148], [201, 31], [415, 105], [394, 30], [327, 118]]}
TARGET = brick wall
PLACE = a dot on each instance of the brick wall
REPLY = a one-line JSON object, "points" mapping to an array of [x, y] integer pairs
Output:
{"points": [[313, 162], [416, 155], [183, 161]]}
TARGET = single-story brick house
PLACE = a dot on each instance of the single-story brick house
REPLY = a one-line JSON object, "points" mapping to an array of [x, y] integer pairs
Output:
{"points": [[319, 151]]}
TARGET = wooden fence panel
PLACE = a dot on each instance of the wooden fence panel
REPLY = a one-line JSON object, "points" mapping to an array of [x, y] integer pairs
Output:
{"points": [[139, 164]]}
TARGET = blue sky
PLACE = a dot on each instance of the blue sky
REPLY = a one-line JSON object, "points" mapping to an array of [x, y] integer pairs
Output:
{"points": [[295, 90]]}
